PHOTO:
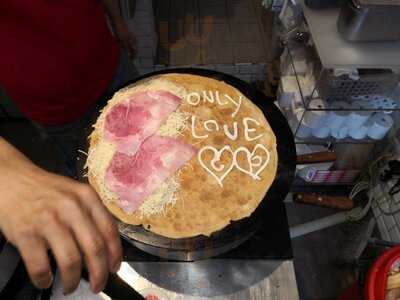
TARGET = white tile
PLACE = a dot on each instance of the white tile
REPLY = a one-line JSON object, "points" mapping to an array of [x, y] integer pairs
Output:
{"points": [[159, 67], [247, 68], [145, 42], [143, 28], [207, 67], [171, 67], [144, 5], [245, 77], [211, 67], [228, 69], [143, 16], [145, 70], [146, 62], [144, 52], [260, 76], [186, 66], [261, 68], [200, 66], [136, 61]]}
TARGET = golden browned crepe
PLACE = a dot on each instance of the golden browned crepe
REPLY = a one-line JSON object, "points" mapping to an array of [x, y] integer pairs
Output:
{"points": [[202, 205]]}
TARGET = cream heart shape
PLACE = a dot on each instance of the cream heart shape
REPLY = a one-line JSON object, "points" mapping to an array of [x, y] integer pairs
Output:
{"points": [[214, 160], [251, 157]]}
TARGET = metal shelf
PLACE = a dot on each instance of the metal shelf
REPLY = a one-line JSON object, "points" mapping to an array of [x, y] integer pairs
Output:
{"points": [[304, 91], [331, 140], [335, 52], [323, 78]]}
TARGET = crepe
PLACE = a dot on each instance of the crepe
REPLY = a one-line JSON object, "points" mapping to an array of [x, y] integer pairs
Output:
{"points": [[210, 193]]}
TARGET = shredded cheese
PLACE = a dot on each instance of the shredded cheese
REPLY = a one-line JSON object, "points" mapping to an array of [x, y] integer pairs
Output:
{"points": [[158, 201], [174, 125], [83, 152], [98, 159]]}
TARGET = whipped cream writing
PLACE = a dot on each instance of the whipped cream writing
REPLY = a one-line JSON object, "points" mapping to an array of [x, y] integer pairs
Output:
{"points": [[254, 161]]}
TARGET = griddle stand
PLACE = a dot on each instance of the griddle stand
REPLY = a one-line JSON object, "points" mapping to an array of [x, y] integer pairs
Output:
{"points": [[260, 268], [216, 278]]}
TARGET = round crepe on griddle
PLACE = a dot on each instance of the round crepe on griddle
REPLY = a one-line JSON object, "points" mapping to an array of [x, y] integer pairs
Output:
{"points": [[210, 190]]}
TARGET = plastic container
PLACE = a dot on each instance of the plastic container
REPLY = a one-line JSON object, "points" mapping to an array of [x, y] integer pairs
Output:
{"points": [[375, 285]]}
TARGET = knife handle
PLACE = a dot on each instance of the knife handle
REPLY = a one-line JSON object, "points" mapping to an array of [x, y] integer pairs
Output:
{"points": [[116, 288], [316, 157], [323, 200]]}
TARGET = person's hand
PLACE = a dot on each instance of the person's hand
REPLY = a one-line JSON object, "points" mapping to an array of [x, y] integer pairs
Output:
{"points": [[125, 37], [40, 211]]}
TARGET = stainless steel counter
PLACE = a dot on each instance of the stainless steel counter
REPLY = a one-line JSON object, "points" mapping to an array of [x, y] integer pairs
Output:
{"points": [[214, 279]]}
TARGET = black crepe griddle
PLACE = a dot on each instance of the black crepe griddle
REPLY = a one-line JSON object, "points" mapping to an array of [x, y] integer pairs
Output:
{"points": [[201, 247]]}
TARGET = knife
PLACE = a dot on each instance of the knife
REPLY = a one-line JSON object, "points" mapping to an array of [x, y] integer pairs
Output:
{"points": [[344, 203], [117, 289], [316, 157]]}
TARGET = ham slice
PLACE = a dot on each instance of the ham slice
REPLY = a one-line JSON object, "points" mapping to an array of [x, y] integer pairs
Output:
{"points": [[128, 124], [134, 177]]}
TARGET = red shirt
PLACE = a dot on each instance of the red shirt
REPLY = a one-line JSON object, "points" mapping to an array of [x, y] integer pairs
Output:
{"points": [[57, 57]]}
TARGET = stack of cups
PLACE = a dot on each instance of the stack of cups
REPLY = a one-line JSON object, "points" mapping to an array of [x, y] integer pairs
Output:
{"points": [[303, 130], [357, 120], [315, 118], [337, 117], [379, 126]]}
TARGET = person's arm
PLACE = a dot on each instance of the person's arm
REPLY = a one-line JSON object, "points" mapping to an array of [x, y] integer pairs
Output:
{"points": [[126, 38], [40, 211]]}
